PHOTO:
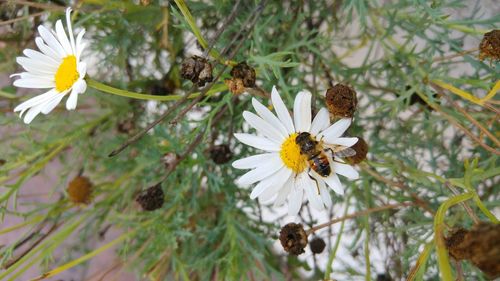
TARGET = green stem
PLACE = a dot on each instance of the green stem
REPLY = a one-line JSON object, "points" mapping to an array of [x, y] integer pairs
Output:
{"points": [[442, 252], [124, 93], [333, 252]]}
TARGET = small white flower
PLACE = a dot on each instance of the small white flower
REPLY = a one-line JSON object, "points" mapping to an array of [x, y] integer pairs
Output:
{"points": [[57, 67], [283, 172]]}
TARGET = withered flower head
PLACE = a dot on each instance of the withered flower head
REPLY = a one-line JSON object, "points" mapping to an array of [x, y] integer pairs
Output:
{"points": [[80, 190], [235, 85], [480, 245], [220, 154], [293, 238], [151, 198], [341, 101], [361, 148], [197, 69], [490, 46], [244, 72], [317, 245]]}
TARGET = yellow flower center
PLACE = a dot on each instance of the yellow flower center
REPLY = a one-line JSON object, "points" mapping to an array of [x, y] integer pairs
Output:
{"points": [[66, 74], [290, 154]]}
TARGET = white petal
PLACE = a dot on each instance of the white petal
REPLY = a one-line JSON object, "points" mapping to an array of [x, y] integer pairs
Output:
{"points": [[312, 191], [47, 50], [261, 172], [82, 70], [49, 38], [63, 38], [320, 122], [295, 199], [302, 111], [36, 100], [346, 170], [334, 182], [70, 30], [325, 194], [271, 185], [257, 142], [79, 45], [336, 130], [42, 58], [343, 141], [253, 161], [31, 75], [34, 83], [35, 64], [269, 117], [80, 86], [32, 113], [35, 70], [263, 127], [72, 100], [282, 111], [50, 105], [284, 192]]}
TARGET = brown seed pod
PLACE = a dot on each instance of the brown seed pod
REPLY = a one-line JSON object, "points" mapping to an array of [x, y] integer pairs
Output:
{"points": [[2, 162], [480, 245], [361, 148], [220, 154], [235, 85], [197, 69], [341, 101], [490, 46], [80, 190], [293, 238], [152, 198], [317, 245], [244, 72]]}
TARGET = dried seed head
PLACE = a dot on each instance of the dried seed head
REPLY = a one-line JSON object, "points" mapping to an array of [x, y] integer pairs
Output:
{"points": [[361, 148], [80, 190], [197, 69], [169, 160], [317, 245], [490, 46], [244, 72], [341, 101], [480, 245], [151, 198], [235, 85], [2, 162], [220, 154], [293, 238], [453, 242]]}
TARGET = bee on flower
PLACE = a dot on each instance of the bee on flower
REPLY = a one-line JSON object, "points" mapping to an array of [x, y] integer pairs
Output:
{"points": [[300, 156], [57, 67]]}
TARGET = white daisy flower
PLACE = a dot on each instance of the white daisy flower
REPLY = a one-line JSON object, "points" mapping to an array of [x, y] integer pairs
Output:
{"points": [[57, 67], [282, 172]]}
